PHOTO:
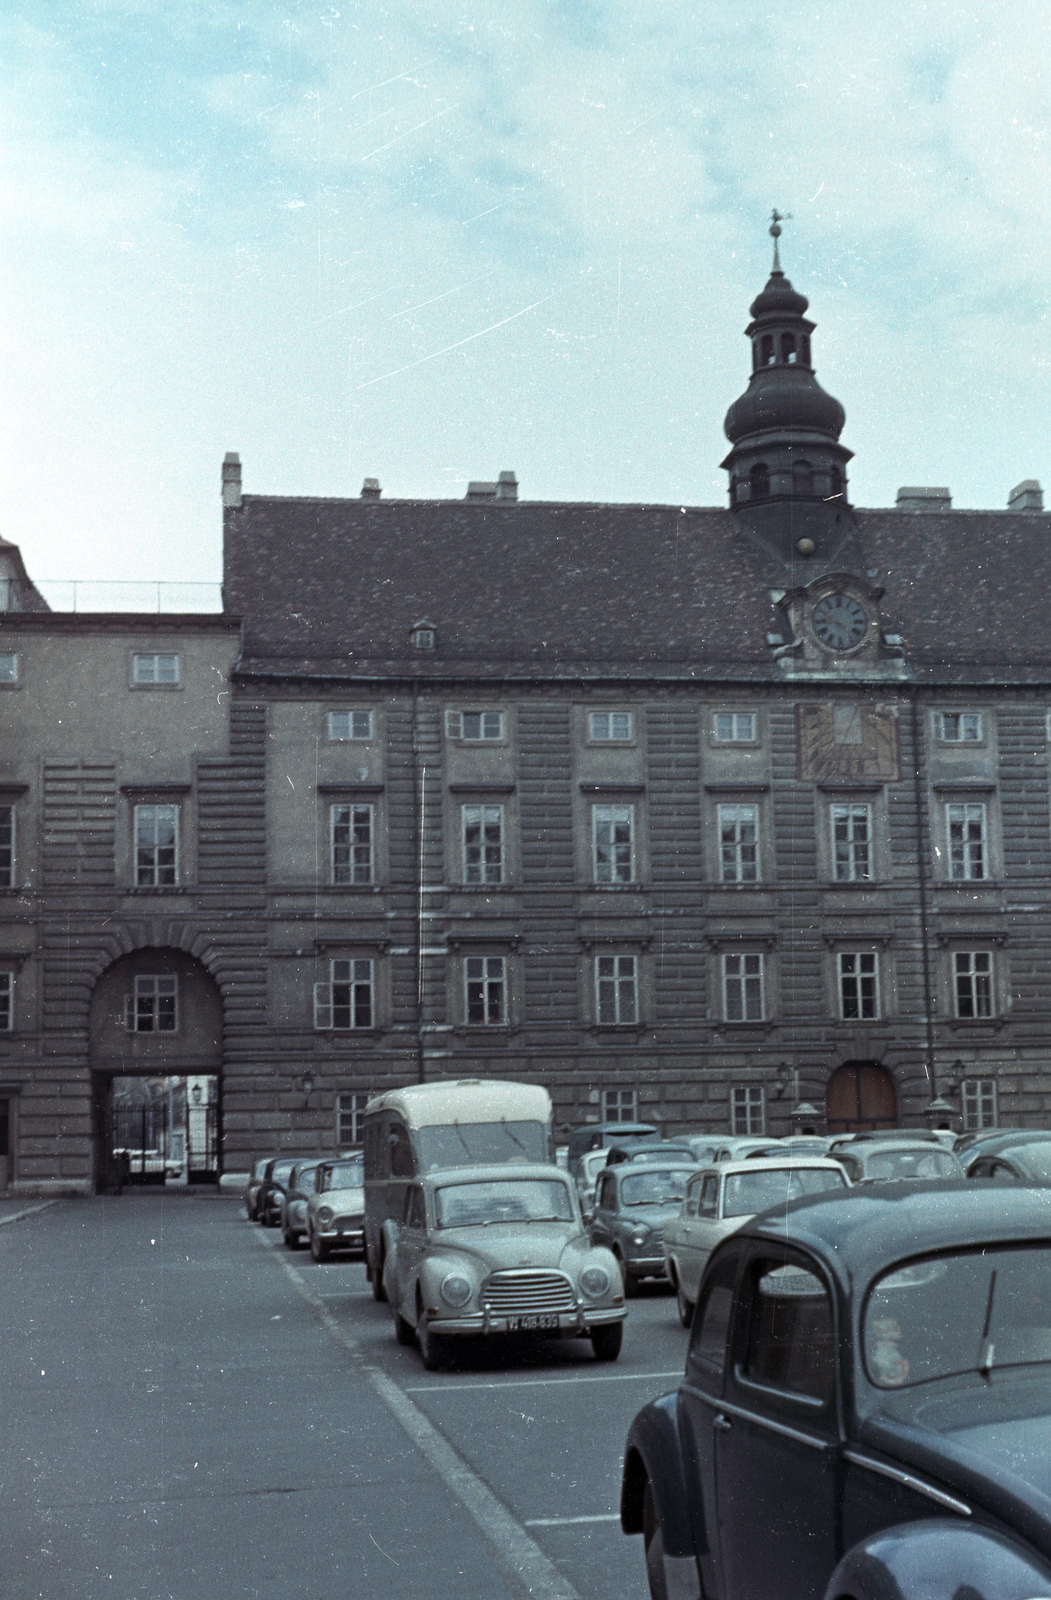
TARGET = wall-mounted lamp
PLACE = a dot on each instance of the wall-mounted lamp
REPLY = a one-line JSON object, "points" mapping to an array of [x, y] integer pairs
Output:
{"points": [[195, 1094], [308, 1086], [784, 1076]]}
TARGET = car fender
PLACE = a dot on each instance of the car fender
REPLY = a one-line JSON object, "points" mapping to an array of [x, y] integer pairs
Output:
{"points": [[436, 1266], [931, 1559], [388, 1256], [653, 1452]]}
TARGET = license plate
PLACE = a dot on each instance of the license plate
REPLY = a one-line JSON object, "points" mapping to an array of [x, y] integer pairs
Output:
{"points": [[532, 1324]]}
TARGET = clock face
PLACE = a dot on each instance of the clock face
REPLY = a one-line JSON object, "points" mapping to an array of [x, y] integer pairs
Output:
{"points": [[840, 622]]}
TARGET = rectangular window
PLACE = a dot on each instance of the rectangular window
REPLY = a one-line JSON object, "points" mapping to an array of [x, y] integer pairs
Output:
{"points": [[858, 985], [8, 667], [748, 1110], [967, 849], [739, 844], [485, 990], [7, 987], [851, 843], [612, 832], [350, 724], [979, 1103], [960, 727], [619, 1105], [483, 844], [156, 846], [734, 727], [483, 727], [351, 844], [743, 988], [609, 727], [346, 1000], [616, 989], [152, 1008], [350, 1116], [973, 982], [155, 669], [7, 847]]}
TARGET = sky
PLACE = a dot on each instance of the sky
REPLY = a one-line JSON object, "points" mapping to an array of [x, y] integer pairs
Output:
{"points": [[427, 241]]}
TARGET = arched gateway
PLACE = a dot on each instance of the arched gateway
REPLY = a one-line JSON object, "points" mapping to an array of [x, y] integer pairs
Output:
{"points": [[156, 1052], [860, 1095]]}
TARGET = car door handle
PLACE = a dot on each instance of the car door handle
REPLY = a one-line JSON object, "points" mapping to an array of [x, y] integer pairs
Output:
{"points": [[722, 1422]]}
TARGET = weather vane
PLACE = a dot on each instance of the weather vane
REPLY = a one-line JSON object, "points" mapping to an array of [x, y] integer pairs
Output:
{"points": [[777, 217]]}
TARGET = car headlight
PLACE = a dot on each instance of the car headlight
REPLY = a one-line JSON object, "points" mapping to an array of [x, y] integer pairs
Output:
{"points": [[639, 1238], [595, 1282], [325, 1215], [456, 1289]]}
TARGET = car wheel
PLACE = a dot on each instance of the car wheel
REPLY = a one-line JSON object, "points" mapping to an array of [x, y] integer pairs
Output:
{"points": [[685, 1307], [378, 1291], [404, 1331], [291, 1239], [318, 1248], [606, 1342], [653, 1542], [631, 1283], [434, 1349]]}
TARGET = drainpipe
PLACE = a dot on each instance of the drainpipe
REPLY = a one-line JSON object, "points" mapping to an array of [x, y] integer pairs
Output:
{"points": [[921, 874], [419, 795]]}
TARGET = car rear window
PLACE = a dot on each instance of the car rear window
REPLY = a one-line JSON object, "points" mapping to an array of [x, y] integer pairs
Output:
{"points": [[884, 1165], [749, 1192], [968, 1311]]}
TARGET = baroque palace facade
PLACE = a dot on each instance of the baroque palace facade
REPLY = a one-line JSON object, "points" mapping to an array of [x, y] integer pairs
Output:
{"points": [[724, 819]]}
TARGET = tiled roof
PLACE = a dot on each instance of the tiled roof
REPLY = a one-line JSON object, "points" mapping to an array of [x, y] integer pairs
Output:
{"points": [[549, 589]]}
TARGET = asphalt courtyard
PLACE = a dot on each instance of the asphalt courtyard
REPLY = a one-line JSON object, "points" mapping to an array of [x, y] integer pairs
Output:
{"points": [[194, 1412]]}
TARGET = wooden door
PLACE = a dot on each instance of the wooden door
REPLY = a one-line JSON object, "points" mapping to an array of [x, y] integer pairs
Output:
{"points": [[860, 1095]]}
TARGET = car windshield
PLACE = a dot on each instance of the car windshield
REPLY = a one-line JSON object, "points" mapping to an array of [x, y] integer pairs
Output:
{"points": [[304, 1180], [930, 1162], [749, 1192], [655, 1188], [345, 1175], [480, 1144], [638, 1157], [280, 1170], [971, 1311], [473, 1205]]}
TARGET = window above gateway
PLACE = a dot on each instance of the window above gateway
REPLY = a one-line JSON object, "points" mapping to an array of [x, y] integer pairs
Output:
{"points": [[154, 669]]}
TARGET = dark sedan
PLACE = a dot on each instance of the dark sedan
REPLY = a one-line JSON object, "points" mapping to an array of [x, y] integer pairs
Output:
{"points": [[1030, 1161], [633, 1205], [866, 1409]]}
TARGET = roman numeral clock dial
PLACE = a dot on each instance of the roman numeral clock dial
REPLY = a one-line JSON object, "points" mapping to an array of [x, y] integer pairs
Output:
{"points": [[840, 622]]}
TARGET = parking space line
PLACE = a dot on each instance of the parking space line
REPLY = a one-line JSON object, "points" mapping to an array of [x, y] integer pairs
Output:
{"points": [[552, 1383], [521, 1554], [27, 1211], [570, 1522]]}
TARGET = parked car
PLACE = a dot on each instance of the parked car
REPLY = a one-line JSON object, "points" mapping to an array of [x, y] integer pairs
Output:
{"points": [[864, 1411], [596, 1135], [999, 1139], [657, 1152], [250, 1193], [336, 1209], [1030, 1161], [738, 1145], [793, 1145], [891, 1160], [633, 1204], [275, 1174], [704, 1147], [488, 1251], [302, 1181], [721, 1198], [589, 1166]]}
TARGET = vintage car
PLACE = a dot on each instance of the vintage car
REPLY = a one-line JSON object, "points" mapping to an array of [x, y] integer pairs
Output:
{"points": [[633, 1205], [892, 1160], [256, 1179], [1029, 1160], [302, 1181], [482, 1251], [336, 1209], [721, 1198], [866, 1407]]}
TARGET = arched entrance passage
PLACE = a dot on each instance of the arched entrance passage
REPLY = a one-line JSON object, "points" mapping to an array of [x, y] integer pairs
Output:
{"points": [[860, 1095], [156, 1029]]}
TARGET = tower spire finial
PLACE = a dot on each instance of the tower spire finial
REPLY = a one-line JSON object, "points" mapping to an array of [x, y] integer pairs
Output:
{"points": [[776, 219]]}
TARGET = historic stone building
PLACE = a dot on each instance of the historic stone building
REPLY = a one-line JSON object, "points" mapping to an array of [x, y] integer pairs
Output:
{"points": [[713, 817]]}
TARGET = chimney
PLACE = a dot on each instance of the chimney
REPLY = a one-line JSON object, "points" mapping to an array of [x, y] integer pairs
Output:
{"points": [[481, 491], [1027, 496], [231, 479], [507, 487], [924, 500], [370, 489]]}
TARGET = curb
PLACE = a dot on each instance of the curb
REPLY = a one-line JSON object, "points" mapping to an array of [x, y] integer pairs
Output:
{"points": [[27, 1211]]}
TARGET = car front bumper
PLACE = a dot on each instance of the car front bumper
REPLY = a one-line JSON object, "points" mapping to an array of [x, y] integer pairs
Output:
{"points": [[646, 1266], [555, 1325], [349, 1237]]}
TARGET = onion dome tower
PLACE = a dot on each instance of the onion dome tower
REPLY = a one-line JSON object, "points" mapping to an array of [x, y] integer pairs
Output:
{"points": [[788, 481]]}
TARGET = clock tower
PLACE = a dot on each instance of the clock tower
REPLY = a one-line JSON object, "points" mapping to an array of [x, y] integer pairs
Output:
{"points": [[788, 470]]}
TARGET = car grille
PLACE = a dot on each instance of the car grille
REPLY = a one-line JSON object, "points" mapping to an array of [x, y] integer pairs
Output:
{"points": [[349, 1224], [527, 1290]]}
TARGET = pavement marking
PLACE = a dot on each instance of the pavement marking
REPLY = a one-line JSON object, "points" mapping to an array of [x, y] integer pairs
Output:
{"points": [[552, 1383], [570, 1522], [520, 1554], [16, 1216]]}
